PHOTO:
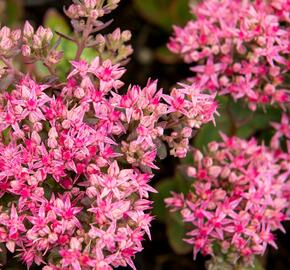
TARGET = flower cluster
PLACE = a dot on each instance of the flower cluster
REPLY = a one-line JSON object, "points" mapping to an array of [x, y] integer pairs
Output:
{"points": [[8, 40], [92, 9], [76, 157], [113, 46], [241, 48], [240, 195]]}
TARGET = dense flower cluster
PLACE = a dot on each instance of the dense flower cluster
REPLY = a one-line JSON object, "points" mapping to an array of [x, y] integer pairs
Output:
{"points": [[36, 45], [242, 48], [76, 156], [240, 195]]}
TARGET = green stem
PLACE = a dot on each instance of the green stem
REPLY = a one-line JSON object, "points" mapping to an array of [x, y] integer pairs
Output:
{"points": [[83, 41]]}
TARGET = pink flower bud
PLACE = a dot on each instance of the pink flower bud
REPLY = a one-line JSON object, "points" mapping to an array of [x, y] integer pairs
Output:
{"points": [[15, 35], [40, 32], [28, 30], [197, 156], [116, 35], [225, 172], [26, 51], [186, 132], [213, 146], [37, 126], [5, 32], [37, 42], [52, 238], [214, 171], [181, 152], [6, 44], [36, 138], [90, 4], [207, 162], [48, 35], [79, 93], [52, 143], [191, 171], [126, 35]]}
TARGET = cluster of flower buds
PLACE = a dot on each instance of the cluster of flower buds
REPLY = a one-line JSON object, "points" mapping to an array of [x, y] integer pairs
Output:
{"points": [[240, 195], [37, 45], [33, 45], [241, 47], [113, 46], [76, 158], [92, 9], [37, 41], [9, 42], [85, 16]]}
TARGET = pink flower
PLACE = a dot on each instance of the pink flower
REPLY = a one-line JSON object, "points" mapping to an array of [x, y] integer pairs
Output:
{"points": [[230, 39], [76, 155], [242, 203]]}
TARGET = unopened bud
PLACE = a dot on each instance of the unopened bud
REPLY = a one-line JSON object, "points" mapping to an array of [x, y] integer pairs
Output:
{"points": [[15, 35], [26, 51], [198, 156], [191, 172], [90, 4], [126, 35], [28, 30]]}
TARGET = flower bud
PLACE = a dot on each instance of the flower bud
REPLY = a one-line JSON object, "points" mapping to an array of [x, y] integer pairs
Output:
{"points": [[37, 42], [28, 30], [79, 93], [36, 138], [126, 35], [48, 35], [198, 156], [191, 172], [16, 34], [5, 32], [6, 44], [26, 51], [40, 32], [116, 35], [207, 161], [90, 4], [75, 244], [215, 171]]}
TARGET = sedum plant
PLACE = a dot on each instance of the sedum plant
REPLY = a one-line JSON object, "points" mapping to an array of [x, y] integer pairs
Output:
{"points": [[76, 154], [241, 49], [239, 187], [240, 195]]}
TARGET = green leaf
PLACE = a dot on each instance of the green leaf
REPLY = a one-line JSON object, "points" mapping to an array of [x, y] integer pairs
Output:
{"points": [[250, 122], [89, 54], [164, 13], [13, 12], [41, 70], [175, 184], [176, 232], [164, 188], [236, 119], [54, 20], [211, 132], [6, 135]]}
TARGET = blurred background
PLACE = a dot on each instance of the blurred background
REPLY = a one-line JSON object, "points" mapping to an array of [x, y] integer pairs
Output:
{"points": [[150, 22]]}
